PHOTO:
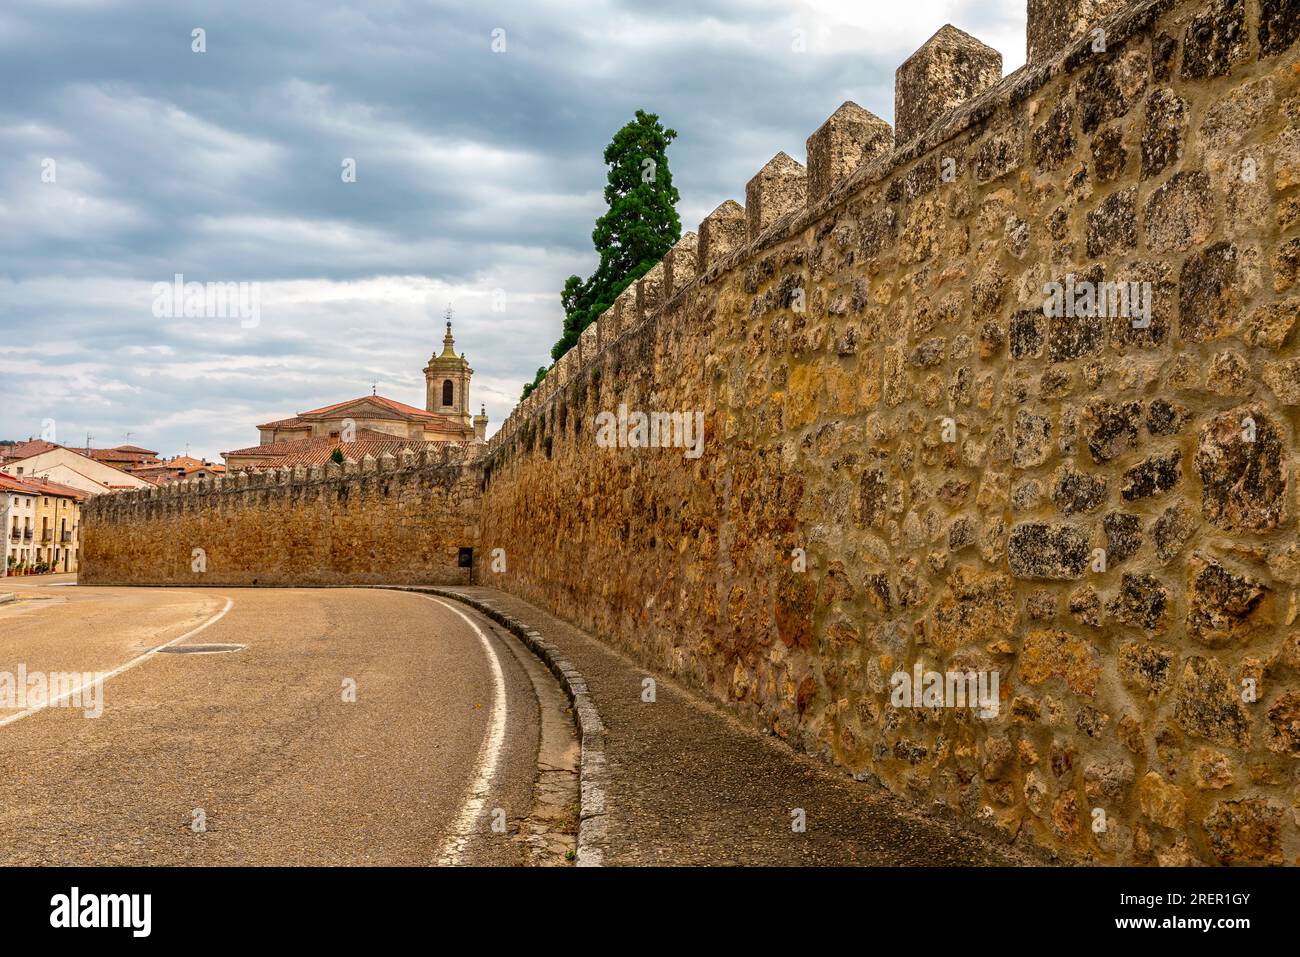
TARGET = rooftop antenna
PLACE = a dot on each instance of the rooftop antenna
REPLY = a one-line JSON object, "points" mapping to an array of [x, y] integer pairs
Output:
{"points": [[374, 388]]}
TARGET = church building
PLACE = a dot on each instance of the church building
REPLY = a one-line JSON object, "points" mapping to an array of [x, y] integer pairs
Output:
{"points": [[373, 424]]}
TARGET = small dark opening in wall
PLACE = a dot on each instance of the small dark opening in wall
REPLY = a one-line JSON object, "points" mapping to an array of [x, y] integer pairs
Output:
{"points": [[466, 558]]}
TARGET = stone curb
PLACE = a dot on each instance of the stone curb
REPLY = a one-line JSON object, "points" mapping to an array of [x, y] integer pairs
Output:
{"points": [[592, 833], [6, 597]]}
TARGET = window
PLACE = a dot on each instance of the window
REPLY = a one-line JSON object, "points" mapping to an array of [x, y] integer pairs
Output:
{"points": [[448, 393]]}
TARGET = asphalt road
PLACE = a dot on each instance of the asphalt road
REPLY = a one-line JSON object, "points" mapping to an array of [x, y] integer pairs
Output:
{"points": [[259, 745]]}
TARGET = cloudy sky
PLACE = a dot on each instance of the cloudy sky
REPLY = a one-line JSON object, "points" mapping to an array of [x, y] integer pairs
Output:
{"points": [[478, 179]]}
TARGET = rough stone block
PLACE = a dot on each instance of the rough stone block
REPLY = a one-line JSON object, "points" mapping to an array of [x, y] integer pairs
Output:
{"points": [[608, 325], [628, 315], [721, 232], [681, 264], [1055, 23], [589, 343], [776, 189], [950, 68], [844, 142], [650, 291]]}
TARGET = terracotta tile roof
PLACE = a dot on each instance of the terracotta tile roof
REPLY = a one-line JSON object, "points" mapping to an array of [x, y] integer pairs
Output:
{"points": [[34, 486], [111, 456], [12, 484], [31, 447], [55, 488], [398, 410], [289, 423], [401, 408], [133, 448], [318, 451]]}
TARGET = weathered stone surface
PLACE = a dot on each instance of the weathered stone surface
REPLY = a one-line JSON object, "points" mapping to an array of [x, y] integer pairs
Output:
{"points": [[1053, 141], [649, 292], [1243, 470], [1154, 475], [1040, 550], [723, 231], [1142, 602], [1112, 87], [1028, 334], [1284, 724], [999, 154], [1051, 654], [1164, 127], [1110, 429], [1284, 379], [1123, 536], [681, 264], [1109, 157], [849, 138], [1052, 24], [780, 187], [1212, 770], [1165, 417], [1246, 832], [1270, 326], [1032, 440], [1223, 607], [1112, 226], [1279, 25], [1229, 374], [1172, 531], [1074, 491], [1162, 802], [949, 68], [1147, 667], [1085, 606], [977, 607], [1207, 704], [1180, 214], [1216, 40], [1211, 293]]}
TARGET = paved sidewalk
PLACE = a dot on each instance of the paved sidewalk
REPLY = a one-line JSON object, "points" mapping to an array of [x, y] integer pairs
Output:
{"points": [[684, 783]]}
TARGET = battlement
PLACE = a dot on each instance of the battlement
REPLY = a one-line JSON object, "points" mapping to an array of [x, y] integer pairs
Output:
{"points": [[432, 461], [945, 93], [392, 519]]}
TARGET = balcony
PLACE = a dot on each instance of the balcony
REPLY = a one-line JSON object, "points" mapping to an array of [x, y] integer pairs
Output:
{"points": [[66, 538], [27, 534], [47, 536], [16, 535]]}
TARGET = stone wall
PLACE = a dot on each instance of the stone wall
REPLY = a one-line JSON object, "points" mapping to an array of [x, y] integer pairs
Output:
{"points": [[1100, 509], [391, 520]]}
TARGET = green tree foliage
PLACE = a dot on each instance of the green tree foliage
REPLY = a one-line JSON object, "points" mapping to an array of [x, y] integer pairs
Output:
{"points": [[640, 225], [537, 380]]}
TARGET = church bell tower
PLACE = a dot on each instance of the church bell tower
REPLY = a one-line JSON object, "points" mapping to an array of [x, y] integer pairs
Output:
{"points": [[446, 381]]}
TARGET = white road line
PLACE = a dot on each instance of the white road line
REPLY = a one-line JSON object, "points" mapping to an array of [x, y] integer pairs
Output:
{"points": [[119, 669], [489, 756]]}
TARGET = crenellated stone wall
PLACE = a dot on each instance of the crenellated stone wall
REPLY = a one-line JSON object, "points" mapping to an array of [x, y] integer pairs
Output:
{"points": [[909, 461], [379, 521]]}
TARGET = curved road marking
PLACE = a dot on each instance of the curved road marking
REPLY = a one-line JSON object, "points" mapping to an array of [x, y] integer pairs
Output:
{"points": [[489, 756], [120, 668]]}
